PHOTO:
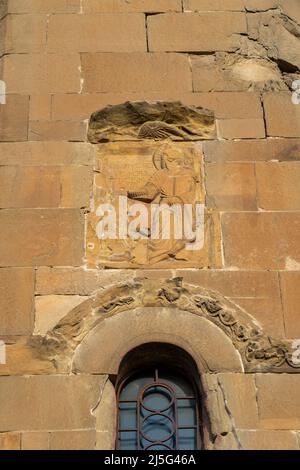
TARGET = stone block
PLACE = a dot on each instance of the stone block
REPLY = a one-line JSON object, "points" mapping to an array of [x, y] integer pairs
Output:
{"points": [[106, 32], [37, 237], [261, 240], [116, 6], [290, 282], [73, 440], [57, 130], [40, 108], [50, 309], [25, 34], [40, 6], [16, 301], [190, 32], [282, 116], [267, 440], [252, 150], [230, 186], [278, 400], [14, 118], [241, 128], [10, 441], [42, 73], [35, 440], [47, 153], [278, 186], [135, 72], [240, 397], [49, 403]]}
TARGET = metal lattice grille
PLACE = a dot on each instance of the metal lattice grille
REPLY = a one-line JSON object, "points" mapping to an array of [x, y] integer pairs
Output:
{"points": [[157, 411]]}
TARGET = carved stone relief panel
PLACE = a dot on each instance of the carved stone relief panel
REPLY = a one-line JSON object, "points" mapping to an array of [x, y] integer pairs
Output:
{"points": [[138, 184]]}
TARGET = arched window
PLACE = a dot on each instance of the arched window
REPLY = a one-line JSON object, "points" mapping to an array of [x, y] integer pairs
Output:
{"points": [[158, 405]]}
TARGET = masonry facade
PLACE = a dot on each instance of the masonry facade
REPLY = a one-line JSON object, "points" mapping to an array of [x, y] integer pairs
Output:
{"points": [[69, 314]]}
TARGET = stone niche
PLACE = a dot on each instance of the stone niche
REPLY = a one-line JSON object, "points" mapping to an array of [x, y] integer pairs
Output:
{"points": [[149, 154]]}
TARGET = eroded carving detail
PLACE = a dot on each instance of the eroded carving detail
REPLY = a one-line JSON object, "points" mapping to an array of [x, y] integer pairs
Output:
{"points": [[258, 351], [151, 120]]}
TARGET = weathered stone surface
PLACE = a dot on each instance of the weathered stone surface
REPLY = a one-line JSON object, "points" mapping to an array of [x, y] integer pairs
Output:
{"points": [[14, 118], [73, 440], [195, 334], [72, 399], [78, 281], [255, 240], [252, 150], [10, 441], [231, 5], [135, 72], [24, 34], [282, 116], [267, 440], [49, 309], [40, 107], [42, 237], [290, 282], [106, 416], [291, 9], [57, 130], [35, 440], [219, 419], [46, 153], [231, 72], [278, 401], [205, 32], [40, 6], [257, 292], [147, 6], [42, 73], [240, 395], [16, 301], [230, 186], [226, 442], [21, 359], [241, 128], [156, 121], [105, 32], [278, 186]]}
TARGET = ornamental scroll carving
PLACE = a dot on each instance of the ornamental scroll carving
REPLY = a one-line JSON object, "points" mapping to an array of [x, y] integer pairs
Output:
{"points": [[259, 352]]}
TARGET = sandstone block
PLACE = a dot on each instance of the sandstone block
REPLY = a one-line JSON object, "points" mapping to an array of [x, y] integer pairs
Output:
{"points": [[16, 301], [35, 440], [240, 396], [278, 400], [252, 150], [290, 282], [255, 240], [37, 237], [213, 5], [40, 108], [57, 130], [27, 404], [267, 440], [14, 118], [116, 6], [49, 309], [9, 441], [42, 73], [73, 440], [230, 186], [135, 72], [278, 185], [104, 32], [40, 6], [241, 128], [46, 153], [282, 116], [25, 34], [203, 32]]}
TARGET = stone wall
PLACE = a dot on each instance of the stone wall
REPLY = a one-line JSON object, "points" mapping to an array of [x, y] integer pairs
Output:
{"points": [[61, 61]]}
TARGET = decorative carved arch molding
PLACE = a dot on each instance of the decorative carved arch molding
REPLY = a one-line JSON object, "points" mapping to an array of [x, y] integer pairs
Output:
{"points": [[219, 335]]}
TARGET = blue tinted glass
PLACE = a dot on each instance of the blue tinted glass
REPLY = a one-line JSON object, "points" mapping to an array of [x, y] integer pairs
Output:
{"points": [[127, 441]]}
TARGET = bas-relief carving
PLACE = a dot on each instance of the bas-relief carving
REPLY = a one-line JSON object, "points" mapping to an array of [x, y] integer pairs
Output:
{"points": [[151, 120], [152, 173], [259, 352]]}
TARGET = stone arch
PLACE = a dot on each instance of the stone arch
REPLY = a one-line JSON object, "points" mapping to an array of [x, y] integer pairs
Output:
{"points": [[239, 343]]}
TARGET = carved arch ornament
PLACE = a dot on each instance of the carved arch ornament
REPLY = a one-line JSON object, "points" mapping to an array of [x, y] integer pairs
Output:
{"points": [[258, 351]]}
